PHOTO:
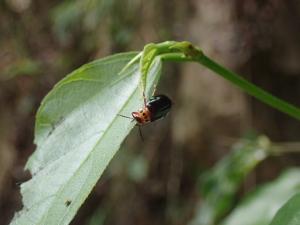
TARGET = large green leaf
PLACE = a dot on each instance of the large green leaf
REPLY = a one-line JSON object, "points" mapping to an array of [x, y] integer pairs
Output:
{"points": [[77, 132], [289, 214], [259, 207]]}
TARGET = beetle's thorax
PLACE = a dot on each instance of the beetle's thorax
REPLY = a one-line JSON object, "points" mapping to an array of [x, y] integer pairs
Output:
{"points": [[142, 116]]}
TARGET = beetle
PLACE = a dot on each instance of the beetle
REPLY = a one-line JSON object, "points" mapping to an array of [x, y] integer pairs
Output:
{"points": [[157, 107]]}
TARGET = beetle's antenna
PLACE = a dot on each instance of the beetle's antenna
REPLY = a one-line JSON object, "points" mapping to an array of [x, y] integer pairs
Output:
{"points": [[154, 90], [127, 117], [124, 116]]}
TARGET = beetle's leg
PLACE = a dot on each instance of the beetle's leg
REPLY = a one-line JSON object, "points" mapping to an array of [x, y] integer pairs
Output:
{"points": [[143, 93], [154, 90], [141, 134], [145, 100], [125, 116]]}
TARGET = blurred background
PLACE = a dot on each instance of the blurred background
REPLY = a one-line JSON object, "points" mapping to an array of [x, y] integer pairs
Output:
{"points": [[157, 181]]}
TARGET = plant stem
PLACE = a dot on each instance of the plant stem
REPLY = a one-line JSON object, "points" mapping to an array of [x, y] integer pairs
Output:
{"points": [[234, 78], [283, 148], [250, 88]]}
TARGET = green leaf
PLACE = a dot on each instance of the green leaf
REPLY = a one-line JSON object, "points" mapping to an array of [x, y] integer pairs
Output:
{"points": [[259, 207], [289, 214], [149, 53], [220, 184], [77, 132]]}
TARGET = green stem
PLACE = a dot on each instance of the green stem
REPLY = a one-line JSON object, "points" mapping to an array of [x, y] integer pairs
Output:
{"points": [[283, 148], [234, 78], [174, 57], [250, 88]]}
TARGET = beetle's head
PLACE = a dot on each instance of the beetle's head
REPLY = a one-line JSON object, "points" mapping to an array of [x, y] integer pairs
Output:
{"points": [[142, 116]]}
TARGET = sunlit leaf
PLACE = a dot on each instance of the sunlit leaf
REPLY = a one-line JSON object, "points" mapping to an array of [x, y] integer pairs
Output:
{"points": [[77, 132]]}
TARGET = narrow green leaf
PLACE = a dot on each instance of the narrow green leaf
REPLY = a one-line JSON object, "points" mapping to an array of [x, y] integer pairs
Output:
{"points": [[260, 206], [149, 53], [289, 214], [77, 132]]}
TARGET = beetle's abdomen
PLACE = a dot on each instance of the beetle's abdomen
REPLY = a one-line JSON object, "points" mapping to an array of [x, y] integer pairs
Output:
{"points": [[159, 106]]}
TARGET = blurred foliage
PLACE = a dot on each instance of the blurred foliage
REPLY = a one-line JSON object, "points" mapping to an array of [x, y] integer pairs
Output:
{"points": [[220, 184], [98, 218], [86, 16], [20, 68], [70, 16], [260, 206]]}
